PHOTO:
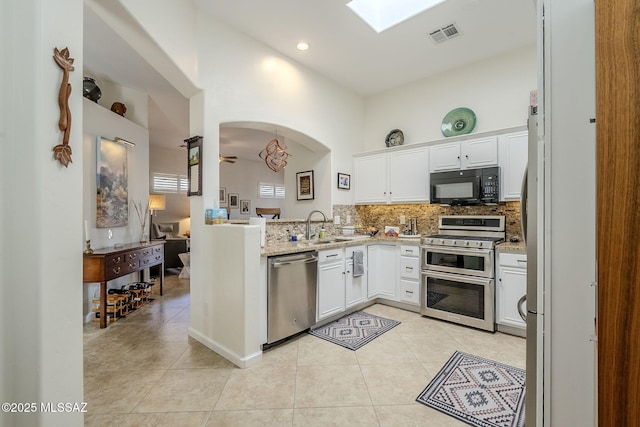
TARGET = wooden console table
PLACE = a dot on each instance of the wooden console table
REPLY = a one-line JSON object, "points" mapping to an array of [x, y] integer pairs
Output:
{"points": [[110, 263]]}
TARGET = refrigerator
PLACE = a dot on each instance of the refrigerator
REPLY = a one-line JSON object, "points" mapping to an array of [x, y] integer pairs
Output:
{"points": [[531, 214]]}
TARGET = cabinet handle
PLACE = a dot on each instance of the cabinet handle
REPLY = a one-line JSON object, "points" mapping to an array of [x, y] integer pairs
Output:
{"points": [[522, 261], [332, 255], [467, 156], [408, 268], [409, 251], [409, 292]]}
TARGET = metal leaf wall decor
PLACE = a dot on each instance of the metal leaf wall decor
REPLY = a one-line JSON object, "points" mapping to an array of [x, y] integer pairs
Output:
{"points": [[62, 152], [275, 155]]}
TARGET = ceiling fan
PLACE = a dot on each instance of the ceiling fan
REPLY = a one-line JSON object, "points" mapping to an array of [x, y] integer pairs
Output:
{"points": [[226, 159]]}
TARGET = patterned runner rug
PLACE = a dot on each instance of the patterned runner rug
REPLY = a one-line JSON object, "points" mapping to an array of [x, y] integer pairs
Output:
{"points": [[477, 391], [355, 330]]}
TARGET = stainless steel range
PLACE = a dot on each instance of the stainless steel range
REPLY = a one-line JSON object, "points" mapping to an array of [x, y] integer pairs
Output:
{"points": [[458, 270]]}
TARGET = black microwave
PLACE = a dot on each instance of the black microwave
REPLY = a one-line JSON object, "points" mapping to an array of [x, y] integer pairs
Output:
{"points": [[466, 187]]}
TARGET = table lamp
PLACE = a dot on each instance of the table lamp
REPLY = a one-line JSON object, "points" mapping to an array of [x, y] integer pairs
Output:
{"points": [[157, 202]]}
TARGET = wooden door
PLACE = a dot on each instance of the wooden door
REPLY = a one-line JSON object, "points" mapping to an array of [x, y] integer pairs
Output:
{"points": [[618, 211]]}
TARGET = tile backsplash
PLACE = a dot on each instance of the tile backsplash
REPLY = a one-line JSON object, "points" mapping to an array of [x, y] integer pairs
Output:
{"points": [[380, 215], [427, 215]]}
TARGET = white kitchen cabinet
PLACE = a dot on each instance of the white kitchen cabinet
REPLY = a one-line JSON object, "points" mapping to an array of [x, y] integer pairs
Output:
{"points": [[331, 283], [370, 178], [512, 161], [410, 274], [382, 271], [399, 176], [355, 287], [469, 154], [511, 286]]}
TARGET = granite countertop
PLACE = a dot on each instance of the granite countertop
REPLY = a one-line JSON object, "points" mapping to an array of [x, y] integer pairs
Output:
{"points": [[283, 248], [511, 247]]}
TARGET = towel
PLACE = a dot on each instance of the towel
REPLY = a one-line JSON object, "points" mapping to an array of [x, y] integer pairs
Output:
{"points": [[358, 264]]}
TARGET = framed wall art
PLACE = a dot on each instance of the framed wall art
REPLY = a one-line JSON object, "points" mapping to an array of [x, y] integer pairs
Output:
{"points": [[222, 199], [344, 181], [304, 185], [245, 207], [234, 203], [194, 165], [112, 184]]}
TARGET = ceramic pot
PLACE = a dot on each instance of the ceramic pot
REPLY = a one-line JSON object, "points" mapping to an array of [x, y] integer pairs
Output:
{"points": [[90, 89]]}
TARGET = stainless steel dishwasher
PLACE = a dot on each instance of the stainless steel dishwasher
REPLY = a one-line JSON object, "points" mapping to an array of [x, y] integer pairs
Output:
{"points": [[291, 295]]}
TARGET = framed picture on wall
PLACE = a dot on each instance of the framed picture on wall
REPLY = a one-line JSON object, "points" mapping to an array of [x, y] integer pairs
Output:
{"points": [[194, 167], [344, 181], [222, 199], [304, 185], [233, 200], [245, 207]]}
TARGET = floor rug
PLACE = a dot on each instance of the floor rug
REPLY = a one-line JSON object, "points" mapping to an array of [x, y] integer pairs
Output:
{"points": [[477, 391], [355, 330]]}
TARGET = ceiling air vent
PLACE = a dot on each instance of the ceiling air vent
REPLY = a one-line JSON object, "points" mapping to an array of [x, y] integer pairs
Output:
{"points": [[444, 33]]}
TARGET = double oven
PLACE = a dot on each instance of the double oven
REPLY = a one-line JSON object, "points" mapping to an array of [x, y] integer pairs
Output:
{"points": [[458, 270]]}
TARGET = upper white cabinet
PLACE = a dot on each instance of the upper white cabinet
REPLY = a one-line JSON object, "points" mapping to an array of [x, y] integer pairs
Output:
{"points": [[469, 154], [398, 176], [513, 161]]}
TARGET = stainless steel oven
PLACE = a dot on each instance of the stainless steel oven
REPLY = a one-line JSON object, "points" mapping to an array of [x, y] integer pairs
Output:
{"points": [[458, 270], [466, 300], [467, 261]]}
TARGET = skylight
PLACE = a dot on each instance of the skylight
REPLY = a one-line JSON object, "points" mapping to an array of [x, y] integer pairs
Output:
{"points": [[384, 14]]}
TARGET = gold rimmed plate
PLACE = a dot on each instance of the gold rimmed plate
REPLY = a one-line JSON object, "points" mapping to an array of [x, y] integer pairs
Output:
{"points": [[458, 121]]}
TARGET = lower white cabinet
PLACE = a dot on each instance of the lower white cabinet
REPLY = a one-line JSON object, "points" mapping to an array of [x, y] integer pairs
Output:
{"points": [[410, 274], [355, 286], [382, 268], [331, 283], [510, 287]]}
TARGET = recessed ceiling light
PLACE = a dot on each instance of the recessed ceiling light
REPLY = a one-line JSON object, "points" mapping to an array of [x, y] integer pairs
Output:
{"points": [[302, 46], [384, 14]]}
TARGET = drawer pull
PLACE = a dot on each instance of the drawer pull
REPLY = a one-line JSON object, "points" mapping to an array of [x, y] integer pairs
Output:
{"points": [[523, 261], [131, 265], [116, 260], [133, 255], [116, 270], [158, 257], [332, 255], [409, 292], [410, 251], [145, 261], [409, 268]]}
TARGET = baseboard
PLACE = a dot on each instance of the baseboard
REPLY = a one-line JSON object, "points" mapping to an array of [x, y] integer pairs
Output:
{"points": [[239, 361]]}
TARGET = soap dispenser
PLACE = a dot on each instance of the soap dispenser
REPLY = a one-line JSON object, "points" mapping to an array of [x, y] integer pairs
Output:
{"points": [[323, 233]]}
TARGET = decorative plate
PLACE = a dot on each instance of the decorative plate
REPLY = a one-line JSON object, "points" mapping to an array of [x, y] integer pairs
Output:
{"points": [[458, 121], [395, 137]]}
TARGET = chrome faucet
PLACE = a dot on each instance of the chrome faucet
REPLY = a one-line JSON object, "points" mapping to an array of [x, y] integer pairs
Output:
{"points": [[307, 234]]}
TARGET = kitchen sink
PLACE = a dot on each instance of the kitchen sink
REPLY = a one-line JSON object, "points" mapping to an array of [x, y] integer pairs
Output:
{"points": [[315, 242], [353, 237]]}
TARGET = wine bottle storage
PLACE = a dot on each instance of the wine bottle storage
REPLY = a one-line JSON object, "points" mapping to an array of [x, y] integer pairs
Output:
{"points": [[121, 302]]}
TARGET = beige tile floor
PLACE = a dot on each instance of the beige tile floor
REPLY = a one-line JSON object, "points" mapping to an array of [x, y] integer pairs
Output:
{"points": [[144, 370]]}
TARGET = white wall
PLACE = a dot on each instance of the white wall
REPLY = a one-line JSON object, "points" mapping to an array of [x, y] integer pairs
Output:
{"points": [[99, 121], [496, 89], [42, 242], [242, 178]]}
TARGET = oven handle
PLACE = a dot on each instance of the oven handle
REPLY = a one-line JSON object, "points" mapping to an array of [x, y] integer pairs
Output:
{"points": [[456, 250], [481, 281]]}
